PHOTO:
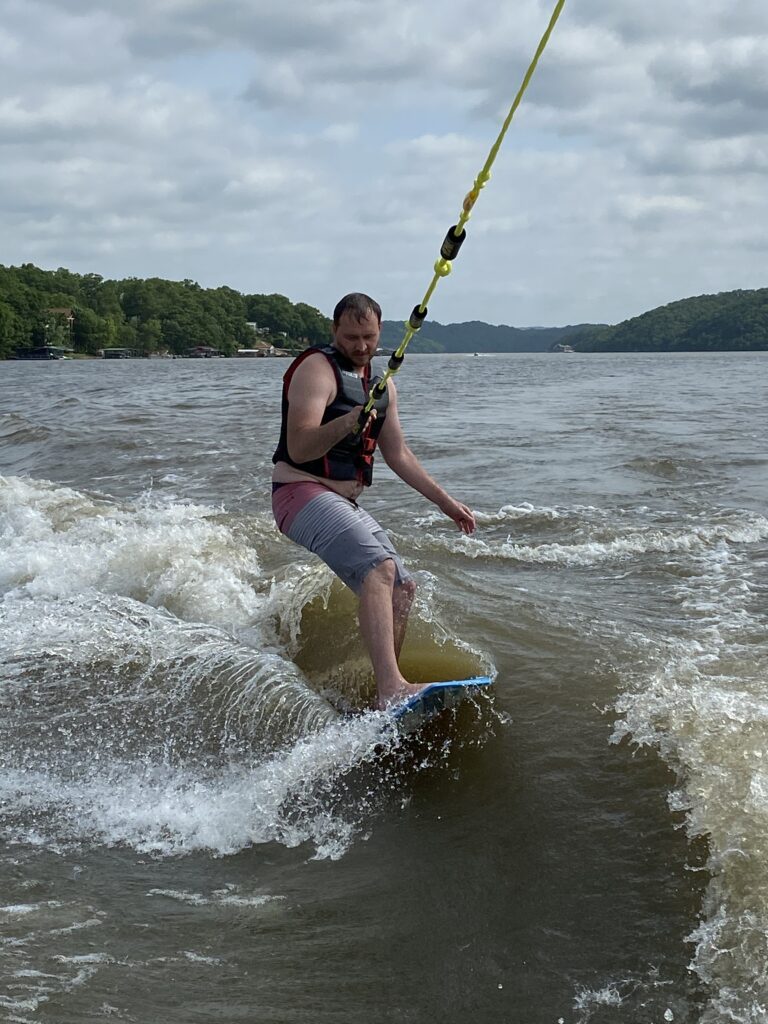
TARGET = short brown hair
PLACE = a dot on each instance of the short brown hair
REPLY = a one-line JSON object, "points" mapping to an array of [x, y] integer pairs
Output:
{"points": [[359, 305]]}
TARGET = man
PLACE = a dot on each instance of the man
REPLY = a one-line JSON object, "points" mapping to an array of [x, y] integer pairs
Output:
{"points": [[321, 468]]}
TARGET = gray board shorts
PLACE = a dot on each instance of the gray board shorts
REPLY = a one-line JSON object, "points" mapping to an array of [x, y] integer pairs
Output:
{"points": [[345, 536]]}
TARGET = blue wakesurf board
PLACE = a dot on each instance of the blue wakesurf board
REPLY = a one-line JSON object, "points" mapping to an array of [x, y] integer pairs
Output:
{"points": [[436, 697]]}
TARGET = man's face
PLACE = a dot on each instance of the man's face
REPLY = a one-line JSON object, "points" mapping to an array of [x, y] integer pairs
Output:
{"points": [[357, 339]]}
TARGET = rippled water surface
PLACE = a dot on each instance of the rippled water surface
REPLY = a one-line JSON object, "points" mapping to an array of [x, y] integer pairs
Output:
{"points": [[200, 820]]}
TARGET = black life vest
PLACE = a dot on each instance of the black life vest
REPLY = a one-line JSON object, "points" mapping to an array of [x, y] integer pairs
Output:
{"points": [[352, 457]]}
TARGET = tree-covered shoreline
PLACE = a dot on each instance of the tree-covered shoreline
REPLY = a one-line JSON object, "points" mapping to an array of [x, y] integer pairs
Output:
{"points": [[86, 313], [726, 321]]}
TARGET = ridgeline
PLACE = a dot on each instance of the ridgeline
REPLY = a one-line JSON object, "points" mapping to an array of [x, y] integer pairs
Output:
{"points": [[728, 321], [86, 314], [476, 336]]}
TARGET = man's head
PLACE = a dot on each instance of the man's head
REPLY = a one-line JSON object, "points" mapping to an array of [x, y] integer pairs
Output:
{"points": [[356, 327]]}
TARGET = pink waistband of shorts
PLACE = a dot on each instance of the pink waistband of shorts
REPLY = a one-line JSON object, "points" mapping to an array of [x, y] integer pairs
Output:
{"points": [[290, 498]]}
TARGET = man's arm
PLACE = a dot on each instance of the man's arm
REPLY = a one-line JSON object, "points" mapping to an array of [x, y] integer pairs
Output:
{"points": [[311, 391], [401, 460]]}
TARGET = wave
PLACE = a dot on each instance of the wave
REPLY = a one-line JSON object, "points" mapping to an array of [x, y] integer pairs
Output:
{"points": [[58, 542], [704, 705], [695, 687], [161, 688], [592, 537], [163, 808], [16, 429], [668, 468]]}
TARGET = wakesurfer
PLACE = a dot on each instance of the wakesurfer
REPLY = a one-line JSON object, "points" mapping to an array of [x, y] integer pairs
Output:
{"points": [[322, 468]]}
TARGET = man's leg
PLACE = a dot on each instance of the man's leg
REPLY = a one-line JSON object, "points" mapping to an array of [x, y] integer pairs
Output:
{"points": [[349, 540], [402, 599], [381, 635]]}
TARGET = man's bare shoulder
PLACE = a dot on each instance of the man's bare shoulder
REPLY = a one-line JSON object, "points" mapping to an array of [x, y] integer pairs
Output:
{"points": [[314, 373], [314, 364]]}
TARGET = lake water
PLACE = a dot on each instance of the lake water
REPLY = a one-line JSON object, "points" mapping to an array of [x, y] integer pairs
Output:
{"points": [[201, 823]]}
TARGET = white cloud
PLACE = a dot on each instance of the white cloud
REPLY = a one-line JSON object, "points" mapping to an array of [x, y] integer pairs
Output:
{"points": [[646, 207]]}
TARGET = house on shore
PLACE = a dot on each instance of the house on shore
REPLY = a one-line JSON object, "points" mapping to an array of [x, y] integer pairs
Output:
{"points": [[203, 352], [43, 352], [118, 353], [262, 346], [259, 349]]}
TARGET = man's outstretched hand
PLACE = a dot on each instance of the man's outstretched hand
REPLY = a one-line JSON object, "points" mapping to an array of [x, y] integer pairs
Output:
{"points": [[463, 516]]}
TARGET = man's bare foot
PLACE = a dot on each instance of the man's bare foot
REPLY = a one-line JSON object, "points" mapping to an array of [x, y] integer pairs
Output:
{"points": [[399, 691]]}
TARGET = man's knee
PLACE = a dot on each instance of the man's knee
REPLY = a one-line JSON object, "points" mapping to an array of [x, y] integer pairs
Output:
{"points": [[383, 572]]}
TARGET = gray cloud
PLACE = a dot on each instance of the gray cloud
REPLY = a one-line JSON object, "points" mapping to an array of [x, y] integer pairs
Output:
{"points": [[732, 73], [221, 140]]}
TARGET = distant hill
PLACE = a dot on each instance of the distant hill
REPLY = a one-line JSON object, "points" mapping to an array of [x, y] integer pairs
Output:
{"points": [[736, 320], [476, 336], [727, 321]]}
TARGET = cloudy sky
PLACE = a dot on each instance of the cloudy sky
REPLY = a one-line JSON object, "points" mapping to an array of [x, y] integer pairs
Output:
{"points": [[313, 147]]}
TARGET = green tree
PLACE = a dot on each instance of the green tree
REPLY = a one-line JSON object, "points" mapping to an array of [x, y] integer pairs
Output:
{"points": [[180, 333], [149, 336], [315, 328], [111, 329], [89, 332], [12, 332], [126, 336], [107, 299], [275, 313]]}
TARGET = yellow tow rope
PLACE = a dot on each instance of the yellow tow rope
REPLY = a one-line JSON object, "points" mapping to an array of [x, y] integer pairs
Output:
{"points": [[456, 234]]}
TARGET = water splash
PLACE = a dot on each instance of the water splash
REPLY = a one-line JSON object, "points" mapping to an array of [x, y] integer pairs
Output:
{"points": [[703, 702]]}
